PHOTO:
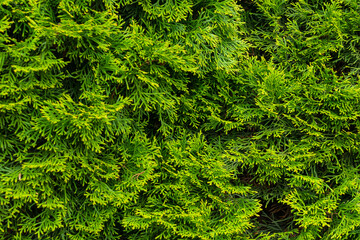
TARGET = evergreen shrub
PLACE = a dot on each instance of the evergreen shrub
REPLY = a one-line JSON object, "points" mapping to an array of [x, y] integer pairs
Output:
{"points": [[179, 119]]}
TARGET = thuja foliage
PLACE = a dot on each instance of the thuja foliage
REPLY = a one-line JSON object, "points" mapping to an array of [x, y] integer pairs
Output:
{"points": [[179, 119]]}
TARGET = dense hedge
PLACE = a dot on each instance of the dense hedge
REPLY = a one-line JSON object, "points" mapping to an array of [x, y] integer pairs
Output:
{"points": [[179, 119]]}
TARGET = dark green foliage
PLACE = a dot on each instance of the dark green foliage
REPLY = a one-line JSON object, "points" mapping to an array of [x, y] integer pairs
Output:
{"points": [[179, 119]]}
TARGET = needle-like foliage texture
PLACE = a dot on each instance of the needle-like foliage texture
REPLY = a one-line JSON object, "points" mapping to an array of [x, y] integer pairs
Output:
{"points": [[179, 119]]}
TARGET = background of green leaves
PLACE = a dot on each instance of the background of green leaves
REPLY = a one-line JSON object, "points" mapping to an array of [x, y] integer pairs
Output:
{"points": [[169, 119]]}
